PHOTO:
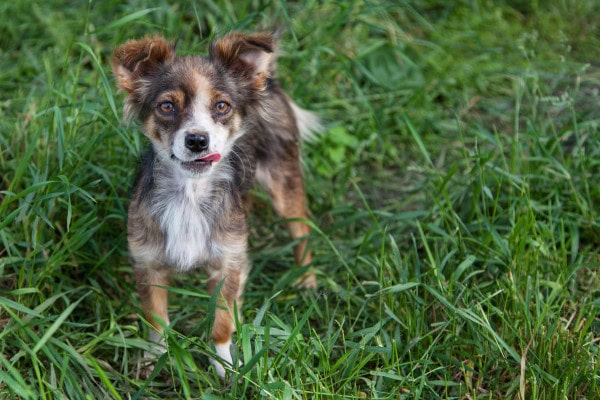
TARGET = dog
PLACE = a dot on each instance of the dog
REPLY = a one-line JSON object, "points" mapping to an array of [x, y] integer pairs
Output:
{"points": [[216, 124]]}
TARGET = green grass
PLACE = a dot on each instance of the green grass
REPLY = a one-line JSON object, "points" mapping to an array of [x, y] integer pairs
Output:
{"points": [[454, 197]]}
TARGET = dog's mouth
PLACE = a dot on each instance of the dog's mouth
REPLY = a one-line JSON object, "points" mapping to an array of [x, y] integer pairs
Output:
{"points": [[200, 164]]}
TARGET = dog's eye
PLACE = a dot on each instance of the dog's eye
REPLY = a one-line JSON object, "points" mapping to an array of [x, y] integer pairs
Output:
{"points": [[166, 108], [222, 107]]}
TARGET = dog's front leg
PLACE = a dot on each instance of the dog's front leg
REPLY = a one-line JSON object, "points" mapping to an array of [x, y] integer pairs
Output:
{"points": [[230, 279], [154, 299]]}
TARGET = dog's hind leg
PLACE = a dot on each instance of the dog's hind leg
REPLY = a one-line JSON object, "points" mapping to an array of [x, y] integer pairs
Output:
{"points": [[286, 188]]}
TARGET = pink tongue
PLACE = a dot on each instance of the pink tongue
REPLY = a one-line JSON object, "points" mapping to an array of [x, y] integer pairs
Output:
{"points": [[213, 157]]}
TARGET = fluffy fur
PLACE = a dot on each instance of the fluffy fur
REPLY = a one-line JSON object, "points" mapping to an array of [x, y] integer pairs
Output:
{"points": [[215, 123]]}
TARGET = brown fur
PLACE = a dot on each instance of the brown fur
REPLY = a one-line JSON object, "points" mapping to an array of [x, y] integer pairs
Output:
{"points": [[238, 51], [153, 297], [137, 58]]}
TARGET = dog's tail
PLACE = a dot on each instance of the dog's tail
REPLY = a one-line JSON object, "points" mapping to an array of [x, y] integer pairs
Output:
{"points": [[308, 123]]}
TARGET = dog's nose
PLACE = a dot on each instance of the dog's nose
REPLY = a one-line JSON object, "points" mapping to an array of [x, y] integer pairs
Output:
{"points": [[196, 142]]}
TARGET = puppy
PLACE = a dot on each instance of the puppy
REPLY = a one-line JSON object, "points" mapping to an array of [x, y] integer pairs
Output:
{"points": [[215, 123]]}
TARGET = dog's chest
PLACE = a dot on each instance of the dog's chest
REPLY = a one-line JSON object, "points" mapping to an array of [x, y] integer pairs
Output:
{"points": [[188, 220]]}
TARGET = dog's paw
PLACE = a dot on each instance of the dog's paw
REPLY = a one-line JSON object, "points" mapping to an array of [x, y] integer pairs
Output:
{"points": [[218, 367], [145, 368], [157, 348], [307, 281], [223, 350]]}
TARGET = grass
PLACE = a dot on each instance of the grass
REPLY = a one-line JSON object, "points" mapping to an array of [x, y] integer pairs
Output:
{"points": [[454, 199]]}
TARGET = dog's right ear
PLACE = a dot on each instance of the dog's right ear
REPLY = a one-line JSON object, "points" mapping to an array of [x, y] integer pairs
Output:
{"points": [[137, 59]]}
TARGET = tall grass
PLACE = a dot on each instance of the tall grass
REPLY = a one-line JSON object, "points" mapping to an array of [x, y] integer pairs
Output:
{"points": [[454, 199]]}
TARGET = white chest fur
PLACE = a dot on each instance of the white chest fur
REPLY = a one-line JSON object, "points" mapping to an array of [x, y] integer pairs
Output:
{"points": [[186, 220]]}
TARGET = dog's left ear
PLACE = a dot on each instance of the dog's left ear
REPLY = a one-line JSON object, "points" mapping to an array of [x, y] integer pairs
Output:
{"points": [[248, 56]]}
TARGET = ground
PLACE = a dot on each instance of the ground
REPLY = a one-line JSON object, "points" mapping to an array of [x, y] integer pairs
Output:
{"points": [[454, 199]]}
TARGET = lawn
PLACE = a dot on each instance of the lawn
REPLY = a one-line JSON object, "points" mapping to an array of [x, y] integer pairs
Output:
{"points": [[454, 197]]}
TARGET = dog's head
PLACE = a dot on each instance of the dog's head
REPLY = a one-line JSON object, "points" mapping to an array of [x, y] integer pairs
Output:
{"points": [[192, 108]]}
